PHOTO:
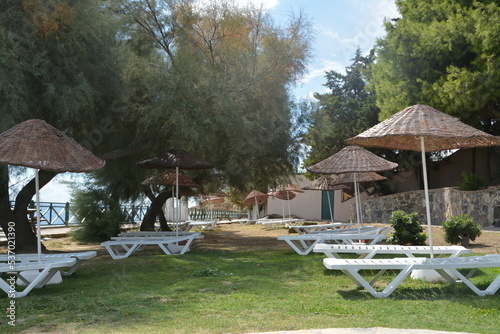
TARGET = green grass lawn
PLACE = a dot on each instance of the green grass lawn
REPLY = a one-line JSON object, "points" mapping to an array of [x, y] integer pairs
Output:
{"points": [[240, 292]]}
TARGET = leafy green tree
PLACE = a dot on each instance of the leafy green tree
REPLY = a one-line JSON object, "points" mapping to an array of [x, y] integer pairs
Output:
{"points": [[444, 54], [348, 109], [58, 62], [223, 88]]}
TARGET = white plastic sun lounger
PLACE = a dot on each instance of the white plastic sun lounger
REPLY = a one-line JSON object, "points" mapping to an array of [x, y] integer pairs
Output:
{"points": [[319, 227], [44, 270], [156, 234], [241, 221], [369, 251], [123, 247], [303, 244], [364, 229], [275, 223], [444, 266], [202, 224], [79, 256]]}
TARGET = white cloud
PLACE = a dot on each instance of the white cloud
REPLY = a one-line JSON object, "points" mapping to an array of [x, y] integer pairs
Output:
{"points": [[319, 72], [267, 4]]}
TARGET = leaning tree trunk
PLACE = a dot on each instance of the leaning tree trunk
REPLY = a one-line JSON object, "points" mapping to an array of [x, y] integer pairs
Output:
{"points": [[163, 221], [155, 210], [25, 239]]}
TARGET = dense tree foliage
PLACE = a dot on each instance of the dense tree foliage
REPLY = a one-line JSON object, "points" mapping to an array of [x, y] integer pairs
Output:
{"points": [[225, 88], [445, 54], [348, 109], [58, 62]]}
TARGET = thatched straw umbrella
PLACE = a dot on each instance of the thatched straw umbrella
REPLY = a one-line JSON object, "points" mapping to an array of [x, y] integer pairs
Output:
{"points": [[256, 198], [39, 145], [288, 189]]}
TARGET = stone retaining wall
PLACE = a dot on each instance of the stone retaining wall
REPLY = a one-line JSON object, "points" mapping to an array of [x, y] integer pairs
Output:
{"points": [[482, 205]]}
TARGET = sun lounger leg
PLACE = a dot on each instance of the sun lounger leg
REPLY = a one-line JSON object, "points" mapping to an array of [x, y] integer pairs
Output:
{"points": [[444, 274], [71, 270], [116, 254], [165, 249], [376, 278], [303, 247], [390, 287], [186, 246], [43, 277], [490, 290]]}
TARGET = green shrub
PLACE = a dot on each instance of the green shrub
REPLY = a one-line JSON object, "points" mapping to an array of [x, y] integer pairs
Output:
{"points": [[407, 229], [461, 230], [471, 181], [100, 215]]}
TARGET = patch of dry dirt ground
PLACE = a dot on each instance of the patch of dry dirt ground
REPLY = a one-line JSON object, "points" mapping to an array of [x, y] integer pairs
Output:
{"points": [[236, 237]]}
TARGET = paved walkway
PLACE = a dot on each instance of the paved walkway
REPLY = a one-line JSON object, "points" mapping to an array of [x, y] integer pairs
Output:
{"points": [[373, 330]]}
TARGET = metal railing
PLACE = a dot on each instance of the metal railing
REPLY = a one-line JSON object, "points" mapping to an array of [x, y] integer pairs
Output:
{"points": [[59, 214], [205, 214]]}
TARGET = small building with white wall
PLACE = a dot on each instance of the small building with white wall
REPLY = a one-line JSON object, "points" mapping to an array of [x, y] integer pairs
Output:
{"points": [[312, 204]]}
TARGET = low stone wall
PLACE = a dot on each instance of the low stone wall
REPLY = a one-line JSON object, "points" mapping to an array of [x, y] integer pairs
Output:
{"points": [[482, 205]]}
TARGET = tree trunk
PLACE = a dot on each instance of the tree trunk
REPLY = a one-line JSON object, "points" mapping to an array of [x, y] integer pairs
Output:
{"points": [[163, 222], [25, 239], [155, 210]]}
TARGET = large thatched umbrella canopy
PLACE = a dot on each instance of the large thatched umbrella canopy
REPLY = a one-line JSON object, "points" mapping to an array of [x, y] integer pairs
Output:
{"points": [[424, 129], [352, 159], [39, 145], [36, 144], [404, 130], [360, 177]]}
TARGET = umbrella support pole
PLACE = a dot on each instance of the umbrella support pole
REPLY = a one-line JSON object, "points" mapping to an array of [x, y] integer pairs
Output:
{"points": [[177, 213], [288, 202], [358, 211], [426, 192], [38, 227]]}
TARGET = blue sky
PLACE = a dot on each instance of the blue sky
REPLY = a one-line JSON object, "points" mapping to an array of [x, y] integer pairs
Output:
{"points": [[340, 26]]}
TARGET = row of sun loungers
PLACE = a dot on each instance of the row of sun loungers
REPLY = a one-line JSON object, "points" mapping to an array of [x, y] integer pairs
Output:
{"points": [[334, 243], [204, 225]]}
